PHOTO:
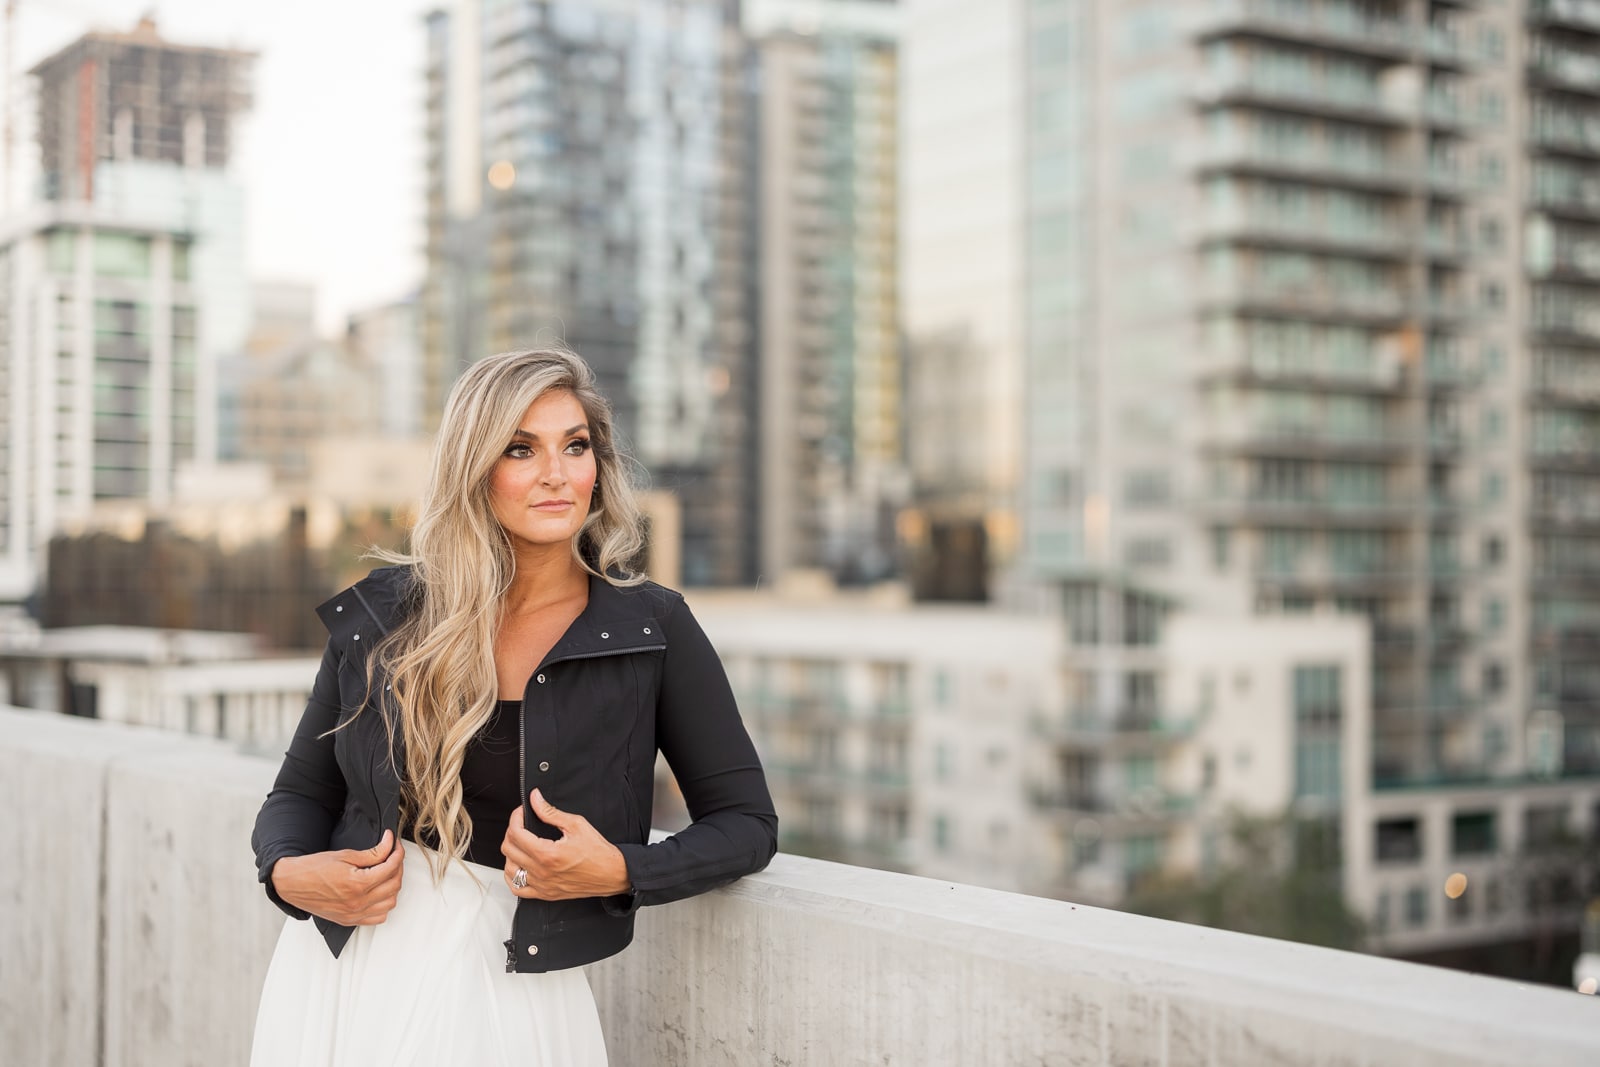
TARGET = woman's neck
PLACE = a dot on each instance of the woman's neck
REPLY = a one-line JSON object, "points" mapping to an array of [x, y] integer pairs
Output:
{"points": [[542, 579]]}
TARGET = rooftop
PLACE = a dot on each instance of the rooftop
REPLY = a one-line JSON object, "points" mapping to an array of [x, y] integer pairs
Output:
{"points": [[135, 932]]}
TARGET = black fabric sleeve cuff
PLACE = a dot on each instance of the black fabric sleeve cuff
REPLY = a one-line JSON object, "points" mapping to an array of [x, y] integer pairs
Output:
{"points": [[265, 874]]}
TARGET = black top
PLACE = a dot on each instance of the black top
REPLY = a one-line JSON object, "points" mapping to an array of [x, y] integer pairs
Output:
{"points": [[489, 783]]}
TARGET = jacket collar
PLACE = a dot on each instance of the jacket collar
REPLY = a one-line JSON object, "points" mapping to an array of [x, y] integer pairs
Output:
{"points": [[617, 618]]}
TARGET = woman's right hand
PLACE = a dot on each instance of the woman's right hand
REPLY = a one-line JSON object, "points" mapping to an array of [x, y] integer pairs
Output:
{"points": [[351, 887]]}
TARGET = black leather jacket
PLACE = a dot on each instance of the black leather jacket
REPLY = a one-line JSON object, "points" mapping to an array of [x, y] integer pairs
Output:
{"points": [[632, 673]]}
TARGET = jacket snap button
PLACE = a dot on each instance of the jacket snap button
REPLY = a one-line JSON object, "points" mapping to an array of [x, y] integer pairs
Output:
{"points": [[647, 629], [604, 635], [357, 637], [541, 679], [533, 950], [339, 608], [544, 766]]}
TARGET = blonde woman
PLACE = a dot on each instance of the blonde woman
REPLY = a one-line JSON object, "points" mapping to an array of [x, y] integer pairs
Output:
{"points": [[464, 810]]}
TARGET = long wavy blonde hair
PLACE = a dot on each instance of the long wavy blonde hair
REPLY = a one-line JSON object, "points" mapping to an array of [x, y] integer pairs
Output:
{"points": [[441, 658]]}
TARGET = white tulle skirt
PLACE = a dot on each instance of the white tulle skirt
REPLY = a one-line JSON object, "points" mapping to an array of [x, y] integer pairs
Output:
{"points": [[427, 986]]}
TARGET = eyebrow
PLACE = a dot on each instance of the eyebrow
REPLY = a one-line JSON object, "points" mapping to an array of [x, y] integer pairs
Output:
{"points": [[524, 434]]}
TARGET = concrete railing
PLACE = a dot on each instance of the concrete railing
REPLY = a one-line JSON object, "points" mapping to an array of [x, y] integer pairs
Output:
{"points": [[132, 932]]}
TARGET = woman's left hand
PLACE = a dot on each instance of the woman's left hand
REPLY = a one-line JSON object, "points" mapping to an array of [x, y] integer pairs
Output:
{"points": [[579, 863]]}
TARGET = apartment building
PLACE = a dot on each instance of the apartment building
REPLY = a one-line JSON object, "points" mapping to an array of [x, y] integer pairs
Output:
{"points": [[1295, 297], [832, 474], [587, 182], [121, 284], [1074, 756]]}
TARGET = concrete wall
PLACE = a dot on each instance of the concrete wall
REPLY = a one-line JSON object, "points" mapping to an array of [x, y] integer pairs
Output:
{"points": [[132, 932]]}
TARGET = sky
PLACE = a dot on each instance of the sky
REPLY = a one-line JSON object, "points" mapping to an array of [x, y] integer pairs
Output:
{"points": [[331, 156]]}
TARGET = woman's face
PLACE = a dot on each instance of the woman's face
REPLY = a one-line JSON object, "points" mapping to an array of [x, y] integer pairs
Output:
{"points": [[541, 484]]}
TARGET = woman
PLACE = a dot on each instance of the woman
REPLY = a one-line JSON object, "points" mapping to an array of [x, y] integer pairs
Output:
{"points": [[464, 810]]}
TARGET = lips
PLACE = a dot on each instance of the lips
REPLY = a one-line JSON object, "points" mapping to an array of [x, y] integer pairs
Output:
{"points": [[552, 505]]}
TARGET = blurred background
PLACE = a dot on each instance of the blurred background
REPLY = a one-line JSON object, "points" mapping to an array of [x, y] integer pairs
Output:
{"points": [[1142, 452]]}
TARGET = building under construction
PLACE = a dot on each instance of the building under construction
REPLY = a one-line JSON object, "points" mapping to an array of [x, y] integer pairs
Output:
{"points": [[122, 285], [127, 96]]}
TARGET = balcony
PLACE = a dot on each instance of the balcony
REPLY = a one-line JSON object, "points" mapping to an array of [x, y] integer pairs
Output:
{"points": [[1256, 228], [1354, 104], [807, 962], [827, 778], [1580, 15], [1374, 307], [1392, 173], [1332, 26], [1578, 199], [1264, 437], [1565, 69], [1378, 576], [1445, 375], [1315, 510], [1127, 729], [1150, 807], [1570, 138], [1581, 457]]}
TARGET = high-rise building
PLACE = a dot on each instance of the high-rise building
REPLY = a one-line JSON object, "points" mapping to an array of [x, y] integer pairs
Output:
{"points": [[586, 184], [1283, 305], [123, 283], [385, 338], [832, 439]]}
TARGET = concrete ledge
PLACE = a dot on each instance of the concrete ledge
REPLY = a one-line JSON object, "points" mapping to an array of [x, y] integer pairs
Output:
{"points": [[133, 932]]}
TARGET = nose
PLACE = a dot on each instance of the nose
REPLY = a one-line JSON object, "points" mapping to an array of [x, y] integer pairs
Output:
{"points": [[553, 472]]}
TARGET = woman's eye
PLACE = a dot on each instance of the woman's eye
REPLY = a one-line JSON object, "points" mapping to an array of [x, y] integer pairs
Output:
{"points": [[519, 452], [578, 447]]}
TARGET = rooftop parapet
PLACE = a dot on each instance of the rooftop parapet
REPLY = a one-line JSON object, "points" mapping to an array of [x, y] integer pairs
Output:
{"points": [[134, 932]]}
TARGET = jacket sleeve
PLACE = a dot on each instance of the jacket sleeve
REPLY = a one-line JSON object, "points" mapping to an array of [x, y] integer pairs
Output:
{"points": [[308, 795], [735, 829]]}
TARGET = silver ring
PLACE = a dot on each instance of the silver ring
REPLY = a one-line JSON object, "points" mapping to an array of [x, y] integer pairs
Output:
{"points": [[520, 879]]}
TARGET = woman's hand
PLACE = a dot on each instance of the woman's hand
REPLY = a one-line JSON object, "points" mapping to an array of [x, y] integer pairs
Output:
{"points": [[350, 887], [579, 863]]}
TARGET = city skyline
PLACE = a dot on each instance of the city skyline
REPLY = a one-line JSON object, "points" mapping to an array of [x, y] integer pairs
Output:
{"points": [[351, 224]]}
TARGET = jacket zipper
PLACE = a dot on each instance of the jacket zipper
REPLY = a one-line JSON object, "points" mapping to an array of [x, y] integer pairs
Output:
{"points": [[522, 756]]}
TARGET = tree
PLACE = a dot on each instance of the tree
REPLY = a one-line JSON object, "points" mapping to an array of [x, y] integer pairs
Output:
{"points": [[1279, 878]]}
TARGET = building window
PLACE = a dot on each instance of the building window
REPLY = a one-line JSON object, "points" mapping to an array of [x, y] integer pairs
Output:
{"points": [[941, 833], [1141, 853], [1398, 840], [889, 823], [1544, 826], [1472, 833], [118, 255], [1494, 679], [1318, 713], [1139, 774], [1146, 488], [1219, 547], [1492, 170], [1416, 906], [62, 251], [1082, 604], [1149, 552]]}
